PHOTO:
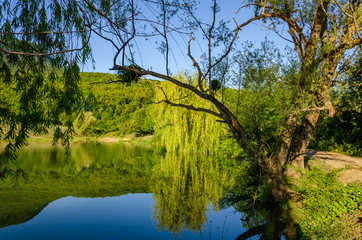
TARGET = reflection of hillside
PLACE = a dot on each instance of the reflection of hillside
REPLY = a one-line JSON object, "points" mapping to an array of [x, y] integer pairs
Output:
{"points": [[110, 173], [19, 215], [184, 186], [21, 205], [18, 206]]}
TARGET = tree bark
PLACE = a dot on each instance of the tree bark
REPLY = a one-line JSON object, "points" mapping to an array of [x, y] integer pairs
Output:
{"points": [[299, 143], [277, 185]]}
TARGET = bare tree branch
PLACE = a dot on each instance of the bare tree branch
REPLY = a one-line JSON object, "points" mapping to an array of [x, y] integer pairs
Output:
{"points": [[209, 39], [191, 107], [199, 80]]}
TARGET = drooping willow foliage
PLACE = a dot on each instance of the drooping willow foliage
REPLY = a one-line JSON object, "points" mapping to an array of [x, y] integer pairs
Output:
{"points": [[180, 129], [44, 84]]}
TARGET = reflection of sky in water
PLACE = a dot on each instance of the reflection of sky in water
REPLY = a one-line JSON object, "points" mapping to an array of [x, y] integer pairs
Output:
{"points": [[124, 217]]}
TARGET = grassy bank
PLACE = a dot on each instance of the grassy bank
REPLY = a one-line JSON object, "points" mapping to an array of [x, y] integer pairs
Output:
{"points": [[324, 208]]}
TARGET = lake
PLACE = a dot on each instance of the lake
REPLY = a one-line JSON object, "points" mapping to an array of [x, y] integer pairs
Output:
{"points": [[119, 191]]}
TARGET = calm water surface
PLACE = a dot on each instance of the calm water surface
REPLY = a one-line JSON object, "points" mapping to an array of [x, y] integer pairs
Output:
{"points": [[116, 191]]}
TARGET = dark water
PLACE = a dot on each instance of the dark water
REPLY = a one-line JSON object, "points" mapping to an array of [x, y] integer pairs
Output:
{"points": [[116, 191]]}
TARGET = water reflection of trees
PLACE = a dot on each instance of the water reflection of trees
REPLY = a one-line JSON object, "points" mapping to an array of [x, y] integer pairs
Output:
{"points": [[266, 221], [184, 185], [259, 215], [90, 170], [41, 158]]}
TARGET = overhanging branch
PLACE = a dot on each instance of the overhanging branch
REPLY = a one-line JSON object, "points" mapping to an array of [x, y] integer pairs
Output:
{"points": [[191, 107]]}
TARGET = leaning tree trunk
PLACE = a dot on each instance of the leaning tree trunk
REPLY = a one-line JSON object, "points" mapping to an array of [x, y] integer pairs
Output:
{"points": [[299, 143], [291, 152], [271, 168]]}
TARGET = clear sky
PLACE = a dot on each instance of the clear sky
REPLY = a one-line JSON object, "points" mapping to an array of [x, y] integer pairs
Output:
{"points": [[148, 57]]}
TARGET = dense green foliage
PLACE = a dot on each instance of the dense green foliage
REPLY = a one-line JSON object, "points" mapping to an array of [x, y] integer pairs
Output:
{"points": [[112, 107], [50, 100], [261, 102], [342, 132], [115, 107], [329, 208], [180, 129], [121, 109], [263, 94], [45, 84]]}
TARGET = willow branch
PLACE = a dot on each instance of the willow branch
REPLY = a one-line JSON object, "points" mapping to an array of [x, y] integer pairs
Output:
{"points": [[191, 107], [18, 52]]}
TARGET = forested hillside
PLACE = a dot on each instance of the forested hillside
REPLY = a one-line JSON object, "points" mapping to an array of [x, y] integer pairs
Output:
{"points": [[115, 107]]}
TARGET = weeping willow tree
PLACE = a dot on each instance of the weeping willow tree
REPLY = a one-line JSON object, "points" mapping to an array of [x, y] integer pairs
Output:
{"points": [[183, 130], [38, 65], [184, 186]]}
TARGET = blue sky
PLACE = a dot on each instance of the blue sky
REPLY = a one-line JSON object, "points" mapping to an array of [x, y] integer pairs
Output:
{"points": [[150, 58]]}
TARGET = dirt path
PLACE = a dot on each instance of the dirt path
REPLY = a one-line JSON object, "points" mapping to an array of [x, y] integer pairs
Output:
{"points": [[330, 160]]}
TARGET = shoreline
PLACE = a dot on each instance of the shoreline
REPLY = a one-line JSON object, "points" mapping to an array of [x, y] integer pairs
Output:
{"points": [[124, 139], [77, 139]]}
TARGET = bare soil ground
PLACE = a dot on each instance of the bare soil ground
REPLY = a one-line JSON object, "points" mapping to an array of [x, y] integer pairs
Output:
{"points": [[329, 160]]}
